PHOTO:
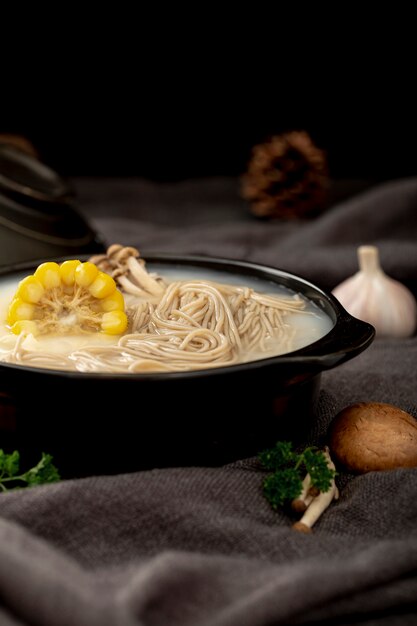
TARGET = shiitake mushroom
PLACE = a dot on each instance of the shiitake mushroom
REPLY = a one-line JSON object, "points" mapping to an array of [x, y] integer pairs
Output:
{"points": [[369, 436]]}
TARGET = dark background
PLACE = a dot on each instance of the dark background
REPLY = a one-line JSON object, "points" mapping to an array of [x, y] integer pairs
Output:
{"points": [[168, 108]]}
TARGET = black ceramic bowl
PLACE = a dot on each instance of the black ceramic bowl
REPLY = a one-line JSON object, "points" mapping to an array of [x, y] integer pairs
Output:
{"points": [[100, 423]]}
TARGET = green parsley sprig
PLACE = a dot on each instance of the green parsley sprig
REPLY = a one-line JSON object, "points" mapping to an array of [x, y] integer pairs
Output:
{"points": [[10, 478], [289, 467]]}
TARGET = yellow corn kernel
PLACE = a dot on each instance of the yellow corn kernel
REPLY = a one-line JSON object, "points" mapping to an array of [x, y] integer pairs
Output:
{"points": [[85, 274], [25, 326], [102, 286], [30, 289], [114, 322], [67, 272], [114, 302], [48, 274], [19, 310]]}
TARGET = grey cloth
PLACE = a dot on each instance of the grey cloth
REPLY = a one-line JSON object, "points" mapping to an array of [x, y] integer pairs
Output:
{"points": [[201, 546]]}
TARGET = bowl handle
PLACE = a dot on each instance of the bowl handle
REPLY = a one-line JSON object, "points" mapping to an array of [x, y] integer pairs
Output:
{"points": [[348, 338]]}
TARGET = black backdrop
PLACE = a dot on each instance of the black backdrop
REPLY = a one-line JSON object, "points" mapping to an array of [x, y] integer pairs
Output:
{"points": [[158, 112]]}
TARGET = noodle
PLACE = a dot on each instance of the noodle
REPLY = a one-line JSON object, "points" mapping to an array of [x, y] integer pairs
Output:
{"points": [[185, 325]]}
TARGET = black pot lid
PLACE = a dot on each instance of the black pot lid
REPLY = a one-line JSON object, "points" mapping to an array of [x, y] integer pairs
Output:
{"points": [[23, 175]]}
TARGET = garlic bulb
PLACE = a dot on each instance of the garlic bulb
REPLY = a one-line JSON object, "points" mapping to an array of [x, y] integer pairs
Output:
{"points": [[373, 297]]}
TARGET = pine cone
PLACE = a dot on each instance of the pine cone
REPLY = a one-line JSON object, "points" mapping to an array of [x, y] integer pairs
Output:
{"points": [[286, 177]]}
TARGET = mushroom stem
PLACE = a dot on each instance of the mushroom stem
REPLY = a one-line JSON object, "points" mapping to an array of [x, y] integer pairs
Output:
{"points": [[300, 504], [318, 503], [317, 506], [142, 277], [130, 287]]}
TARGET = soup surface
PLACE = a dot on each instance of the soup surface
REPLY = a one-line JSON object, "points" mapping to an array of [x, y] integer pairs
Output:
{"points": [[178, 319]]}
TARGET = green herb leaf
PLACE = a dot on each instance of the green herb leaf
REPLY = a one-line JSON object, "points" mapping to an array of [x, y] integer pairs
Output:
{"points": [[278, 457], [11, 464], [43, 472], [316, 465], [283, 485]]}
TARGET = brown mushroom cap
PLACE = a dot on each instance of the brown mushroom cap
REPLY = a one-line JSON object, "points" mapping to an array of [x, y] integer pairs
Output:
{"points": [[119, 254], [370, 436]]}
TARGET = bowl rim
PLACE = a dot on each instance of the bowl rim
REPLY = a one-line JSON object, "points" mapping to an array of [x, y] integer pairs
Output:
{"points": [[324, 353]]}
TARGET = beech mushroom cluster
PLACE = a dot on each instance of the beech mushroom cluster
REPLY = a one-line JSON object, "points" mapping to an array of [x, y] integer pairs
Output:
{"points": [[123, 263]]}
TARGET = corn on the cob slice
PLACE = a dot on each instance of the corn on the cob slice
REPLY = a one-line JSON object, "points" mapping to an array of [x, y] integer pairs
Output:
{"points": [[102, 286], [85, 273], [20, 310], [25, 326], [67, 272], [114, 302], [67, 298], [30, 290], [48, 275], [114, 322]]}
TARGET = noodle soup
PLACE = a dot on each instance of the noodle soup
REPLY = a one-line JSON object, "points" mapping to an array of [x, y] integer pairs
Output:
{"points": [[179, 319]]}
